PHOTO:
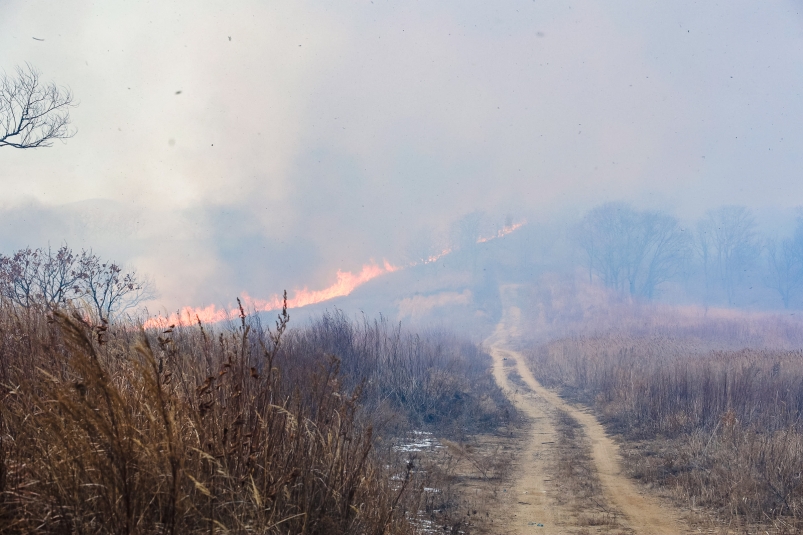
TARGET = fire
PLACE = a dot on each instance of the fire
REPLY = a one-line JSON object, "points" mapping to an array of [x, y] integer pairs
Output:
{"points": [[435, 257], [345, 283], [504, 231]]}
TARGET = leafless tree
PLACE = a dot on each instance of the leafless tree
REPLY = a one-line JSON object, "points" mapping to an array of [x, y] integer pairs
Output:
{"points": [[109, 289], [58, 277], [424, 246], [632, 251], [465, 233], [728, 238], [668, 247], [19, 275], [785, 263], [42, 277], [33, 114]]}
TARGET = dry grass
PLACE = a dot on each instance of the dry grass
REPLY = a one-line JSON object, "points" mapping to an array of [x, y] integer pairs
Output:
{"points": [[576, 478], [241, 430], [720, 430]]}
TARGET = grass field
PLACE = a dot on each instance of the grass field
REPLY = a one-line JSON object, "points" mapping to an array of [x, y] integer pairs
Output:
{"points": [[227, 429]]}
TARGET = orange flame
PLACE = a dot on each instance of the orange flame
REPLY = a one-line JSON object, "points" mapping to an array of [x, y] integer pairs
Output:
{"points": [[435, 257], [504, 231], [346, 283]]}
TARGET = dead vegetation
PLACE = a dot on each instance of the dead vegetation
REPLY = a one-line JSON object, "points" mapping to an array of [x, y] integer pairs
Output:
{"points": [[576, 479], [108, 429], [718, 430], [477, 472]]}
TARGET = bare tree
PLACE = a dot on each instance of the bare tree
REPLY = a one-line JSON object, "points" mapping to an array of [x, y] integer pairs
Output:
{"points": [[33, 114], [785, 263], [729, 239], [109, 290], [424, 246], [465, 233], [668, 248], [19, 275], [631, 251], [39, 277], [58, 278], [603, 235]]}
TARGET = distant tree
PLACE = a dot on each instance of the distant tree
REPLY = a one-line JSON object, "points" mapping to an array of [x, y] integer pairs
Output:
{"points": [[667, 250], [42, 277], [631, 251], [703, 245], [58, 277], [33, 114], [19, 275], [729, 246], [785, 265], [466, 231], [423, 246], [109, 290], [604, 236]]}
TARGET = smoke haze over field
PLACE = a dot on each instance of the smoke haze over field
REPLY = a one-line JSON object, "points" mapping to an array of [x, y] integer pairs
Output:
{"points": [[252, 146]]}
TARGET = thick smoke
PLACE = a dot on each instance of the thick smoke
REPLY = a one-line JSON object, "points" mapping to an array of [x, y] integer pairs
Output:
{"points": [[254, 147]]}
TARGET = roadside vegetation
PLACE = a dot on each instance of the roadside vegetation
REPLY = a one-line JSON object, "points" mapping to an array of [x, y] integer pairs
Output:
{"points": [[106, 428], [708, 409]]}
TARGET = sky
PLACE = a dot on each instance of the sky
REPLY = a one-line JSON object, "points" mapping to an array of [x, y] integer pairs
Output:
{"points": [[241, 147]]}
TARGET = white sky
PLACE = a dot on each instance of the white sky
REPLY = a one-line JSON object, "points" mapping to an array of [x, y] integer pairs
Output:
{"points": [[314, 136]]}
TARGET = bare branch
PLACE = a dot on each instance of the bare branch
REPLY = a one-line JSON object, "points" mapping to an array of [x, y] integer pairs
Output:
{"points": [[109, 288], [51, 279], [32, 114]]}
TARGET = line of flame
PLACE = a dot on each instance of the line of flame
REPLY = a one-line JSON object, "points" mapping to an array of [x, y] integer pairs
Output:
{"points": [[434, 258], [504, 231], [346, 283]]}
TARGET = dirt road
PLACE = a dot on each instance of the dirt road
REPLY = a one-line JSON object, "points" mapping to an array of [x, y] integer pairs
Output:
{"points": [[532, 505]]}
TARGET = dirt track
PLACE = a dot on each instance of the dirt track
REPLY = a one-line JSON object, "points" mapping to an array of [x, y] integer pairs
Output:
{"points": [[532, 498]]}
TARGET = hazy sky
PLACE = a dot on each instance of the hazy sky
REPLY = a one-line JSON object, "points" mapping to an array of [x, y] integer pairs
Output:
{"points": [[309, 137]]}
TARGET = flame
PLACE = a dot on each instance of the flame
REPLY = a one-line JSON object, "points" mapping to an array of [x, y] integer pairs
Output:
{"points": [[504, 231], [435, 257], [345, 283]]}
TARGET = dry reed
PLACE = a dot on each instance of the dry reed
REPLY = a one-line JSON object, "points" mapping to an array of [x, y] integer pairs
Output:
{"points": [[107, 429]]}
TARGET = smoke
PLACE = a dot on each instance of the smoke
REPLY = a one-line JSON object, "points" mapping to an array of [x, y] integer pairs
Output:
{"points": [[252, 147]]}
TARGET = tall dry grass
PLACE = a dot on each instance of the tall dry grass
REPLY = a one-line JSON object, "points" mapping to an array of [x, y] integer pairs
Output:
{"points": [[432, 380], [721, 429], [108, 429]]}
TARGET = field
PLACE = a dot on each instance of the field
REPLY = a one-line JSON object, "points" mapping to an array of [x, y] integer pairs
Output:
{"points": [[232, 429], [705, 407], [613, 418]]}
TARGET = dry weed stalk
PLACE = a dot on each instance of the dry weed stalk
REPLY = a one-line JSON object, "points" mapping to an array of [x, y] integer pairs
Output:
{"points": [[107, 429], [127, 439], [719, 428]]}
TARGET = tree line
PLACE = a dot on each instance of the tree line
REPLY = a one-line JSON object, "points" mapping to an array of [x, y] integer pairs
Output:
{"points": [[636, 251]]}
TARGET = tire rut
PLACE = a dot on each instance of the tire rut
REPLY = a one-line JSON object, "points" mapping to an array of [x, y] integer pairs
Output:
{"points": [[642, 514]]}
